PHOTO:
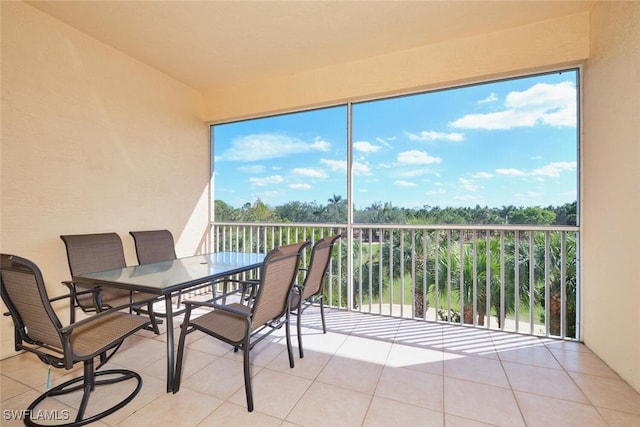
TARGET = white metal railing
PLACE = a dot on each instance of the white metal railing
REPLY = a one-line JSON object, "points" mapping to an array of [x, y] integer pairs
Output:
{"points": [[513, 278]]}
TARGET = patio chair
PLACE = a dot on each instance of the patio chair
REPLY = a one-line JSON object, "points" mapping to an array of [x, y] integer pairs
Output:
{"points": [[89, 253], [312, 289], [243, 326], [154, 246], [38, 330]]}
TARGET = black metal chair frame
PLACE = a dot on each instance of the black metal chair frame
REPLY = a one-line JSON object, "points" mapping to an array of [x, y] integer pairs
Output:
{"points": [[315, 272], [62, 354]]}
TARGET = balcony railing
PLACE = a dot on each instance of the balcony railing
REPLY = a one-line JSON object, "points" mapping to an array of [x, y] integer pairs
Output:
{"points": [[512, 278]]}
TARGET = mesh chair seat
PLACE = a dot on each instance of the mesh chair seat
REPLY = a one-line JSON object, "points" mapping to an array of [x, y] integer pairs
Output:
{"points": [[38, 330]]}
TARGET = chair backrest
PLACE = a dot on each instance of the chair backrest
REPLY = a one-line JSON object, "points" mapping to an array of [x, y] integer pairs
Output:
{"points": [[318, 265], [24, 293], [154, 246], [88, 253], [277, 276]]}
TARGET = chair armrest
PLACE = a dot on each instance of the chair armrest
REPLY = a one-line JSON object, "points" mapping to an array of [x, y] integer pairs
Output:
{"points": [[213, 305], [67, 329], [72, 288]]}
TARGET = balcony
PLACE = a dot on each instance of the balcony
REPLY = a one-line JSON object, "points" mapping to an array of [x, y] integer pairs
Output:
{"points": [[367, 370], [391, 357], [440, 273]]}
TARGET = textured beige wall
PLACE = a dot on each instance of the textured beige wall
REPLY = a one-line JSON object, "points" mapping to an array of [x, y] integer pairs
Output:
{"points": [[611, 190], [553, 43], [92, 141]]}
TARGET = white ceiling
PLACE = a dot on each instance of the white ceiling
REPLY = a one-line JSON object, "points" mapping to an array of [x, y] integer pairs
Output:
{"points": [[211, 43]]}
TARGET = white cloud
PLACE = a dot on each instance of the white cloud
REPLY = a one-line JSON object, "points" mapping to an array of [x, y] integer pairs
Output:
{"points": [[251, 169], [365, 147], [436, 192], [359, 168], [403, 183], [491, 98], [434, 136], [511, 172], [543, 103], [335, 165], [415, 157], [267, 180], [251, 148], [468, 184], [309, 172], [411, 173], [552, 170], [555, 169], [300, 186], [483, 175]]}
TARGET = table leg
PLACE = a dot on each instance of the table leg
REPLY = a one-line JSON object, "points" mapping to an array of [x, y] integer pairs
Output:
{"points": [[170, 349]]}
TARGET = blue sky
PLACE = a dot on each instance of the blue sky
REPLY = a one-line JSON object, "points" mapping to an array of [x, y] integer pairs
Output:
{"points": [[511, 142]]}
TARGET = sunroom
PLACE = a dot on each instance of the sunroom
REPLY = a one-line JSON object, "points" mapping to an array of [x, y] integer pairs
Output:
{"points": [[106, 114]]}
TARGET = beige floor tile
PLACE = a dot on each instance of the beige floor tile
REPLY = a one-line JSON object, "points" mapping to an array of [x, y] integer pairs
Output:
{"points": [[308, 367], [264, 352], [455, 421], [327, 405], [338, 321], [192, 362], [609, 393], [619, 419], [367, 370], [27, 369], [413, 357], [525, 350], [481, 402], [545, 411], [152, 388], [363, 349], [315, 340], [207, 344], [543, 381], [375, 327], [142, 355], [477, 369], [351, 374], [274, 393], [554, 344], [186, 408], [412, 387], [14, 409], [468, 341], [419, 334], [229, 414], [220, 379], [390, 413], [11, 388], [583, 362]]}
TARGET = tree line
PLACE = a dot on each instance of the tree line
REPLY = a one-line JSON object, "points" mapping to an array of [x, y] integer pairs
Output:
{"points": [[335, 211]]}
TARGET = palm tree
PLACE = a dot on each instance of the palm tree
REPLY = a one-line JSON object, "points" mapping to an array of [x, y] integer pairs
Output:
{"points": [[555, 276]]}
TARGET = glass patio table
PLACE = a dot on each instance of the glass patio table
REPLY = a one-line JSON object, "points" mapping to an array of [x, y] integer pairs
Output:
{"points": [[167, 278]]}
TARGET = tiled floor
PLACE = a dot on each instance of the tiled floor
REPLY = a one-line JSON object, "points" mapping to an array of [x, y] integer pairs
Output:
{"points": [[366, 371]]}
